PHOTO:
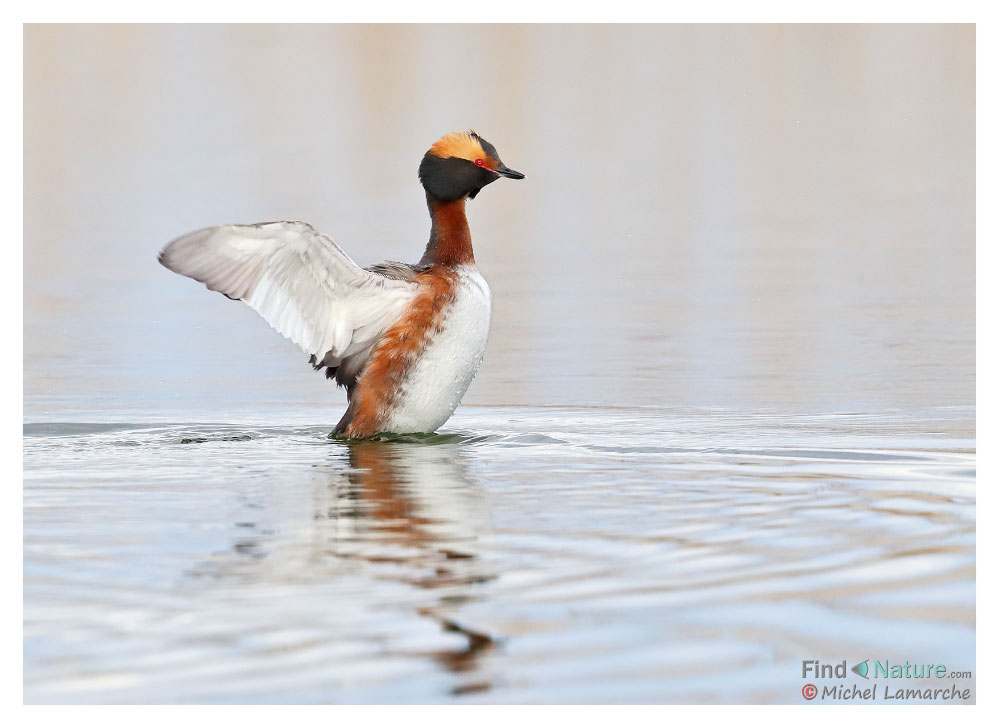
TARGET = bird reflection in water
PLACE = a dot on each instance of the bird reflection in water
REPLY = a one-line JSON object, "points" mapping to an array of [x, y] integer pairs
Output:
{"points": [[404, 511], [420, 497]]}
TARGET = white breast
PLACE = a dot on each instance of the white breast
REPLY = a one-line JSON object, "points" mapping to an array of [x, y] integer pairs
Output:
{"points": [[435, 384]]}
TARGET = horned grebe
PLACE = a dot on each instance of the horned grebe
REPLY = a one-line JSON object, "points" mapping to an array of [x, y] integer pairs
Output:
{"points": [[404, 340]]}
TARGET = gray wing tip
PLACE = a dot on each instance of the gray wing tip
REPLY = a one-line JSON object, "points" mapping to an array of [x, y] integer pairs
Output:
{"points": [[165, 258], [172, 254]]}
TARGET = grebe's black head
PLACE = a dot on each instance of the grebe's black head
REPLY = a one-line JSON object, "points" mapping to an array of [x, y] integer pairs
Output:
{"points": [[459, 165]]}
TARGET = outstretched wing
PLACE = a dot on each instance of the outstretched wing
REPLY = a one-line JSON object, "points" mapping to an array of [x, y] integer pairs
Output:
{"points": [[298, 279]]}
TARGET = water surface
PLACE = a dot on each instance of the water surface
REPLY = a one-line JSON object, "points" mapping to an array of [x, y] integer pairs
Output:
{"points": [[541, 555]]}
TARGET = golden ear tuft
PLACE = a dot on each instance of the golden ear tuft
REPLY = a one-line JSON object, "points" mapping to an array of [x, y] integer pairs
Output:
{"points": [[460, 144]]}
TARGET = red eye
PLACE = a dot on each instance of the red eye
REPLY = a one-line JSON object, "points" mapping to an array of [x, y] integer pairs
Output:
{"points": [[478, 162]]}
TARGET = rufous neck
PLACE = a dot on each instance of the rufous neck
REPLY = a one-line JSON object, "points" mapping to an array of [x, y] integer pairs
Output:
{"points": [[450, 239]]}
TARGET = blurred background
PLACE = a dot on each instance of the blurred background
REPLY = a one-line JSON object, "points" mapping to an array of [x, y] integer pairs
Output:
{"points": [[743, 216], [725, 421]]}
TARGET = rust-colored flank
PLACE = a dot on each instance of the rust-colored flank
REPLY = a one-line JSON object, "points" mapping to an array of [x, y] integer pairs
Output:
{"points": [[399, 348]]}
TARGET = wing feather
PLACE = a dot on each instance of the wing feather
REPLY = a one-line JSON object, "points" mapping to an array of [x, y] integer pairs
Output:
{"points": [[301, 282]]}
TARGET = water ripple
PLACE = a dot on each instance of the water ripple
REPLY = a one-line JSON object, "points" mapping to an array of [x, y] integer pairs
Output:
{"points": [[577, 555]]}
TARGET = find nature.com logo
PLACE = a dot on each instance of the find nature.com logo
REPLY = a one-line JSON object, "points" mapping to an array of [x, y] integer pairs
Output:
{"points": [[884, 669]]}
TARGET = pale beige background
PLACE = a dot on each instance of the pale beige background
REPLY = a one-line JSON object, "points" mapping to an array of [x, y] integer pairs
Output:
{"points": [[743, 216]]}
